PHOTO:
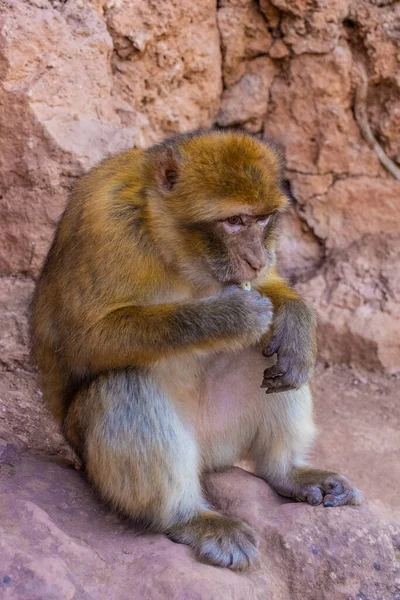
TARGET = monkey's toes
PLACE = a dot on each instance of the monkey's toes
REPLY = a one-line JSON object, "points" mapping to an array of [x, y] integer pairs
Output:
{"points": [[338, 491], [333, 490], [312, 495], [218, 540], [232, 544]]}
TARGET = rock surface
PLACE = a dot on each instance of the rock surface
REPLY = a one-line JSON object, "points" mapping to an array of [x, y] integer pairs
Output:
{"points": [[360, 323], [58, 542]]}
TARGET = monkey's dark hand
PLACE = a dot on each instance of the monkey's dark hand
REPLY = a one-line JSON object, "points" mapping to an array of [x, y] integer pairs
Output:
{"points": [[293, 340], [251, 312]]}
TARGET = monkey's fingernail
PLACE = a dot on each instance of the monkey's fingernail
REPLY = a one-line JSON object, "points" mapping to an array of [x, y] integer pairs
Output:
{"points": [[329, 503], [266, 382], [267, 352]]}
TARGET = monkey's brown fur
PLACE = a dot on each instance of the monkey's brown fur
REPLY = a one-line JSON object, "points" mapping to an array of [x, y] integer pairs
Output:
{"points": [[151, 357]]}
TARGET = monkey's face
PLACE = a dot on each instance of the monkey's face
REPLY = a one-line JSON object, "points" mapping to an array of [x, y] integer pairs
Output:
{"points": [[218, 199], [237, 248]]}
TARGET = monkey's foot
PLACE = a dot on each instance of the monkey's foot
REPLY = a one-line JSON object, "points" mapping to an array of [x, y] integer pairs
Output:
{"points": [[316, 487], [218, 540]]}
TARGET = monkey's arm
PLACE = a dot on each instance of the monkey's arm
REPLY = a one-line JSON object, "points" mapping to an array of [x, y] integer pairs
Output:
{"points": [[293, 336], [143, 334]]}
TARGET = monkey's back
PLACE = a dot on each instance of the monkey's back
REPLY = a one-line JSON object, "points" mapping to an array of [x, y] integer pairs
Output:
{"points": [[95, 264]]}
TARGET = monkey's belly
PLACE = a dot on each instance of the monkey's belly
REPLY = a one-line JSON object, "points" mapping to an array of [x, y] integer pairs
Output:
{"points": [[220, 397]]}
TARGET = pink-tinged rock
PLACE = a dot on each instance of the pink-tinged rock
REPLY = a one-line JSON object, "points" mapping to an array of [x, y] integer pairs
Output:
{"points": [[57, 119], [245, 102], [314, 31], [310, 115], [278, 50], [271, 13], [305, 187], [244, 36], [360, 324], [15, 295], [58, 542], [166, 62], [299, 251], [71, 95], [355, 207], [11, 448]]}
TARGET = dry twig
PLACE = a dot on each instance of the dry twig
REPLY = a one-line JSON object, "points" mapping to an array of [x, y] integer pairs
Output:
{"points": [[360, 110]]}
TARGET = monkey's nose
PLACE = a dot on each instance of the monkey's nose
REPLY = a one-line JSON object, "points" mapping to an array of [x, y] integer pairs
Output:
{"points": [[255, 263]]}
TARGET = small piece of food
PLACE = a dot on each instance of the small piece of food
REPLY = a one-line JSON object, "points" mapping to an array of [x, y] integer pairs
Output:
{"points": [[246, 286]]}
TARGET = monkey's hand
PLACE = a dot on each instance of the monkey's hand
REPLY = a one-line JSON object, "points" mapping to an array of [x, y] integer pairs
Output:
{"points": [[293, 340], [250, 311]]}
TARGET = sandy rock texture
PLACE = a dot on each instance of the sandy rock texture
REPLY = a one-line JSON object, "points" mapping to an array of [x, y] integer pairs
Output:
{"points": [[83, 79], [57, 542]]}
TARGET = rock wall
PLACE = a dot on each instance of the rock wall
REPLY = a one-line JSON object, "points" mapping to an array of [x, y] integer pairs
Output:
{"points": [[82, 79]]}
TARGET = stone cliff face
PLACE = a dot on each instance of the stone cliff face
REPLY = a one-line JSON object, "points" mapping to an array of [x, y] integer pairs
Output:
{"points": [[82, 79]]}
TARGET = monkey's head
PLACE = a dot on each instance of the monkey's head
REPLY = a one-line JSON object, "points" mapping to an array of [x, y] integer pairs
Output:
{"points": [[216, 202]]}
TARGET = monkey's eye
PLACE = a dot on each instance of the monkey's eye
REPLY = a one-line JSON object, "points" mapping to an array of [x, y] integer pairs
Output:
{"points": [[263, 220], [236, 220]]}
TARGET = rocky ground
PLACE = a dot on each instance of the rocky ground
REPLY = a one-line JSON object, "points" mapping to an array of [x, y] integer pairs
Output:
{"points": [[59, 542]]}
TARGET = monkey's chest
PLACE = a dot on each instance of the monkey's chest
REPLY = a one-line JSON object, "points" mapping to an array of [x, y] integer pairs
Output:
{"points": [[216, 394], [181, 380]]}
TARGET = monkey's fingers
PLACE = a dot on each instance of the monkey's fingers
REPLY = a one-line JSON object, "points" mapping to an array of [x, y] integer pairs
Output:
{"points": [[272, 347], [274, 381], [273, 372], [278, 389]]}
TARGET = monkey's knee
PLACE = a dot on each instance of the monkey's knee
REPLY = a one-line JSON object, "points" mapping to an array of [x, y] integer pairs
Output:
{"points": [[285, 434], [219, 540], [137, 452]]}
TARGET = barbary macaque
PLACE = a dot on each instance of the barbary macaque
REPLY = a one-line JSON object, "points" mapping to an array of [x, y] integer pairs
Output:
{"points": [[150, 353]]}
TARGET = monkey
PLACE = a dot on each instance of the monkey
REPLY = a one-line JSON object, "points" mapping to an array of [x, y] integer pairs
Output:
{"points": [[157, 316]]}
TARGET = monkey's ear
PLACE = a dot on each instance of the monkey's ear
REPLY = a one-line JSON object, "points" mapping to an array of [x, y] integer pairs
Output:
{"points": [[167, 169]]}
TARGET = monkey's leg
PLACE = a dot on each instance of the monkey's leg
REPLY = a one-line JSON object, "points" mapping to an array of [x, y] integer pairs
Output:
{"points": [[280, 446], [144, 461], [280, 425]]}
